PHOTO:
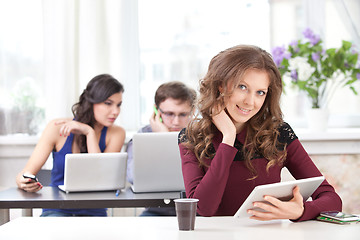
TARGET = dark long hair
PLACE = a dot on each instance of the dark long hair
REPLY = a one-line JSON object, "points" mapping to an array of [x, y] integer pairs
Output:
{"points": [[225, 69], [99, 89]]}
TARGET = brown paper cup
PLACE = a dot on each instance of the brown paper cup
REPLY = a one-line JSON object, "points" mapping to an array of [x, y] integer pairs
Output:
{"points": [[186, 213]]}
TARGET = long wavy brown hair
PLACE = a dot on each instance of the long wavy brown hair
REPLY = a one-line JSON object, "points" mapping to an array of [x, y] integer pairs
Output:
{"points": [[225, 71], [98, 90]]}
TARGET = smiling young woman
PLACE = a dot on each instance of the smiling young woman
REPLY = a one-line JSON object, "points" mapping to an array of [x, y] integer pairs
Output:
{"points": [[240, 141]]}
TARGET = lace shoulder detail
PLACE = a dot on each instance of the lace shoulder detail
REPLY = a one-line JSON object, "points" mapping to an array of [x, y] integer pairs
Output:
{"points": [[182, 136], [287, 134]]}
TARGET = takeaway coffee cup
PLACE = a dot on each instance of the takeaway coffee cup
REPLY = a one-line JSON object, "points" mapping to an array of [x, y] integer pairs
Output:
{"points": [[186, 213]]}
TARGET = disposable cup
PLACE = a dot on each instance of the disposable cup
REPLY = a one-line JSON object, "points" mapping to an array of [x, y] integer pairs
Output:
{"points": [[186, 213]]}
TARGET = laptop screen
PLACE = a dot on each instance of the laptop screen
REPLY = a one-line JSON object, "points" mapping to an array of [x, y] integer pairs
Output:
{"points": [[94, 171], [157, 162]]}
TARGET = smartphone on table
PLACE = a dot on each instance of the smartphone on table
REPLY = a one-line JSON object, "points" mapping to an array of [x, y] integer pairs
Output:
{"points": [[338, 217]]}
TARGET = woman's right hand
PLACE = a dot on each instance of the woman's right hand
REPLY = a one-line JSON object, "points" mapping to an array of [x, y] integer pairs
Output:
{"points": [[27, 184], [226, 126]]}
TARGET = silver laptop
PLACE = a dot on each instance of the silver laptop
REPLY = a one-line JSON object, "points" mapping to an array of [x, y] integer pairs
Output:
{"points": [[94, 172], [157, 163]]}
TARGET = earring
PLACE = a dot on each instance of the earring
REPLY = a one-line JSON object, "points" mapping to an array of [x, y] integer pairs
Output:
{"points": [[222, 94]]}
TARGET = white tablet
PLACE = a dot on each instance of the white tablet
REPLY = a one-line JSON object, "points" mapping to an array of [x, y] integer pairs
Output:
{"points": [[281, 190]]}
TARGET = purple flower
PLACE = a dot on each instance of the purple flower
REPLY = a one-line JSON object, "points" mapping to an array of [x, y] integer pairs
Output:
{"points": [[315, 56], [313, 39], [287, 55], [308, 33], [358, 76], [294, 75], [279, 53], [294, 43]]}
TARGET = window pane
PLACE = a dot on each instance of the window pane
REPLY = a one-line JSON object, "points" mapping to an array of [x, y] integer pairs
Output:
{"points": [[288, 22], [179, 38], [20, 66]]}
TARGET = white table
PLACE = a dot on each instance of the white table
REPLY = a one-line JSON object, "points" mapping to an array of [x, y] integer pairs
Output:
{"points": [[206, 228]]}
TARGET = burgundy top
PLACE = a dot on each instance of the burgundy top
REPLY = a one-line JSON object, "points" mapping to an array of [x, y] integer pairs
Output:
{"points": [[223, 186]]}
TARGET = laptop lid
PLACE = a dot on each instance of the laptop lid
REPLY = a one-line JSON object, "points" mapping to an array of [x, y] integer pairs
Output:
{"points": [[94, 172], [157, 162]]}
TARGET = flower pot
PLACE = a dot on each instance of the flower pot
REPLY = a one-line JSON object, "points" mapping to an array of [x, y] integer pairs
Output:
{"points": [[317, 119]]}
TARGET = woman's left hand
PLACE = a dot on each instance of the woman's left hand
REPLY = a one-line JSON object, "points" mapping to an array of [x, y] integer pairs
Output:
{"points": [[72, 126], [278, 209]]}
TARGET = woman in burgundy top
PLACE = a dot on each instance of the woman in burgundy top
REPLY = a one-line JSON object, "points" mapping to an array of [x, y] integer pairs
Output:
{"points": [[241, 141]]}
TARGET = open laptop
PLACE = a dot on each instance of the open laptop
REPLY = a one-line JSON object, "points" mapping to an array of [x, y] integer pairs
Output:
{"points": [[157, 163], [94, 172]]}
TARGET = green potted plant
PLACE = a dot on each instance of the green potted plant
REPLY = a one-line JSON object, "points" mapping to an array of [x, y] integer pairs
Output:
{"points": [[306, 65]]}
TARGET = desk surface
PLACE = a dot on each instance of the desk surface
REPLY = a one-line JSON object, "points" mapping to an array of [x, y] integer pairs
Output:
{"points": [[167, 228], [52, 197]]}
